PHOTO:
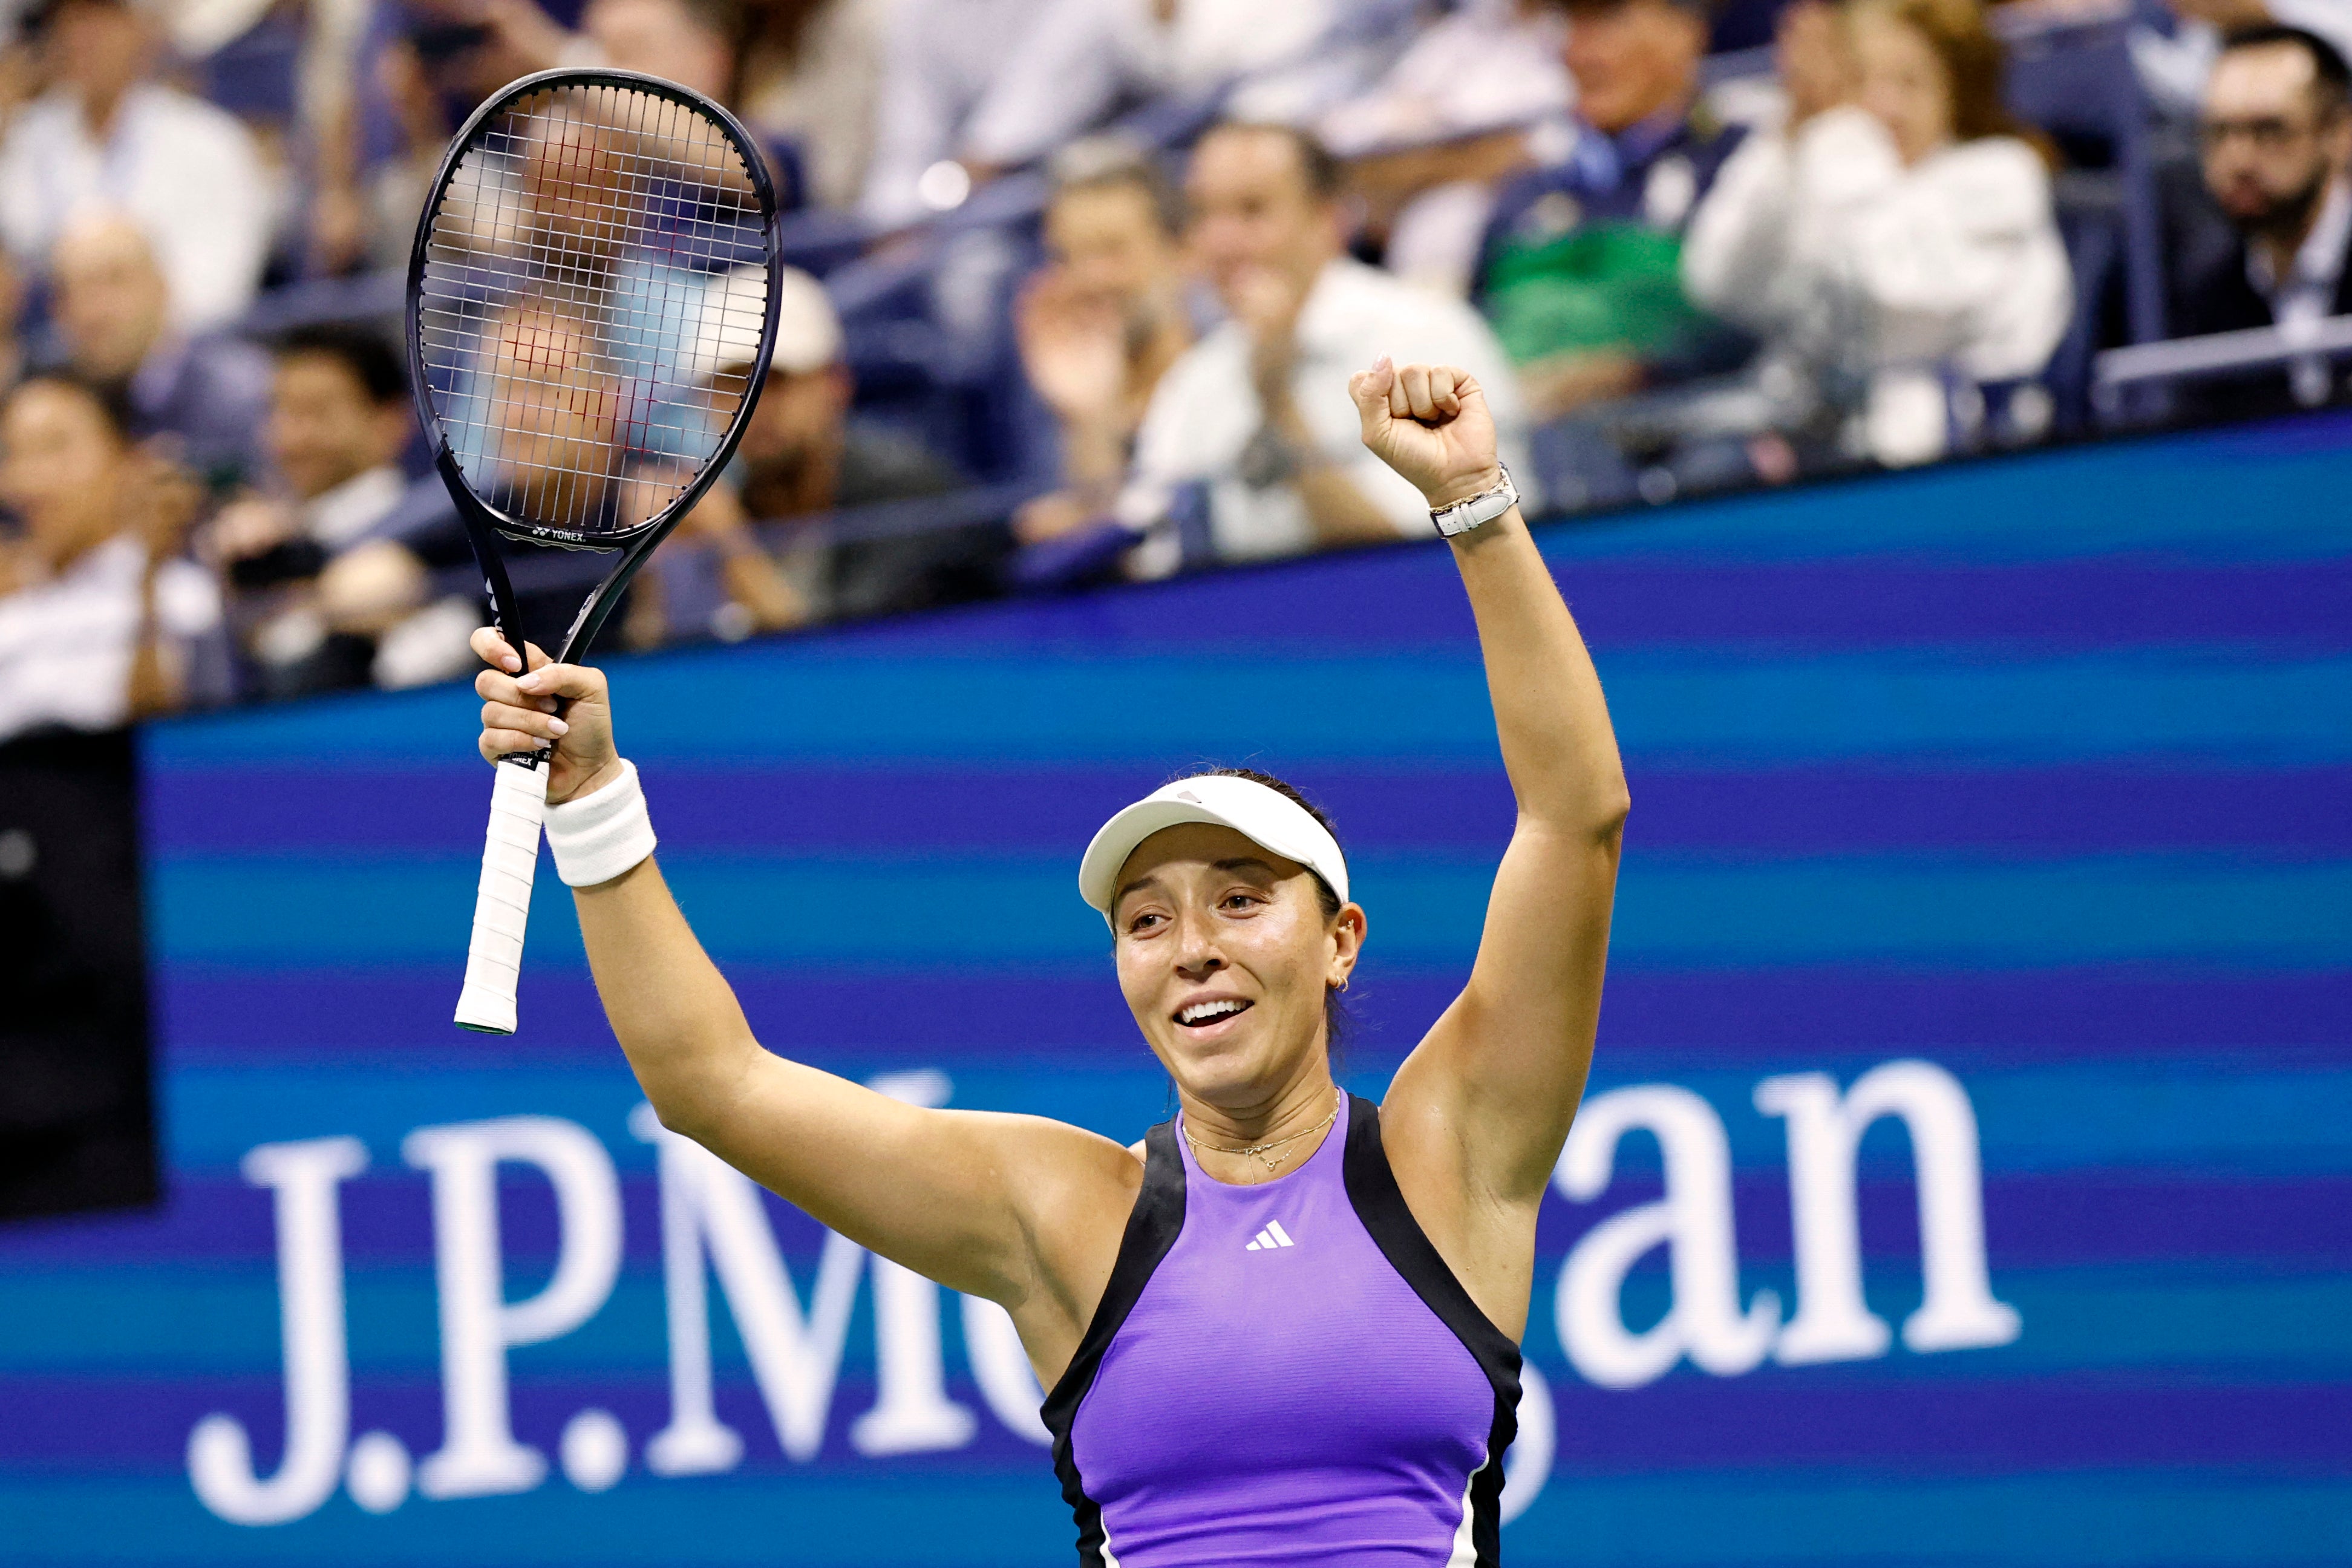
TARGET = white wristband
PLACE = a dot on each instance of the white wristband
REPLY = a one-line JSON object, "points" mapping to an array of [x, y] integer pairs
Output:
{"points": [[595, 837]]}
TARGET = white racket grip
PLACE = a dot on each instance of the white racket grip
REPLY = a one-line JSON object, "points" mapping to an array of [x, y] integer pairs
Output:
{"points": [[502, 907]]}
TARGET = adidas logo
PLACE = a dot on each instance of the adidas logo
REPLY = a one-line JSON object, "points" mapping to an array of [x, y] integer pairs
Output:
{"points": [[1272, 1236]]}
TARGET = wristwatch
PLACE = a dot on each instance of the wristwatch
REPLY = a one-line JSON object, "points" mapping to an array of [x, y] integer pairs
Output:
{"points": [[1479, 509]]}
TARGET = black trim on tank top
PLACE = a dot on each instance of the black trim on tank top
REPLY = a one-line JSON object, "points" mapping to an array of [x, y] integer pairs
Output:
{"points": [[1152, 1229], [1380, 1203]]}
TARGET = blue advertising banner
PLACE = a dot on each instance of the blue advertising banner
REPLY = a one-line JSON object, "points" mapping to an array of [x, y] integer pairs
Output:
{"points": [[1965, 1177]]}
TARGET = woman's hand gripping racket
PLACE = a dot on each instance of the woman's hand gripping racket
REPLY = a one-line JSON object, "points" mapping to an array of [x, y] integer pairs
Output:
{"points": [[591, 304]]}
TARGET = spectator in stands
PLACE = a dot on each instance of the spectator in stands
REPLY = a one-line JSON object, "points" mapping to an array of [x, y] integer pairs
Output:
{"points": [[804, 74], [939, 62], [12, 317], [1101, 323], [1080, 60], [976, 87], [1428, 145], [804, 458], [101, 620], [712, 577], [1578, 271], [106, 134], [366, 163], [2174, 66], [327, 590], [415, 69], [811, 77], [690, 42], [1904, 238], [1250, 446], [204, 394], [2277, 134]]}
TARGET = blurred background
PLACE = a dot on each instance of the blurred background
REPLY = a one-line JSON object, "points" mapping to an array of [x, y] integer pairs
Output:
{"points": [[1934, 413]]}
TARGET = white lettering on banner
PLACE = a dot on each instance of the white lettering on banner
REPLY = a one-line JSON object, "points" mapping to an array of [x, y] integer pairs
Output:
{"points": [[1693, 1222], [912, 1413], [710, 1210], [480, 1456], [1001, 1366], [305, 1179], [1833, 1321], [714, 1221], [1526, 1465]]}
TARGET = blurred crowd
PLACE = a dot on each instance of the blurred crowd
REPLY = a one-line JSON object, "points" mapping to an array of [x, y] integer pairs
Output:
{"points": [[1080, 283]]}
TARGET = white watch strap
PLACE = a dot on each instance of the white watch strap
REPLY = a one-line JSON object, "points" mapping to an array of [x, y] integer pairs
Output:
{"points": [[1479, 509], [595, 837]]}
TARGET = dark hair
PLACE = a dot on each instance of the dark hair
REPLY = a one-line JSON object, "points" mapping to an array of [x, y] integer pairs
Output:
{"points": [[1322, 172], [113, 400], [34, 21], [366, 354], [1336, 1022], [2331, 79], [1111, 163]]}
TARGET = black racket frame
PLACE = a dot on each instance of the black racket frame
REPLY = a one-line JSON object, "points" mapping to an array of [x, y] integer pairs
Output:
{"points": [[486, 524]]}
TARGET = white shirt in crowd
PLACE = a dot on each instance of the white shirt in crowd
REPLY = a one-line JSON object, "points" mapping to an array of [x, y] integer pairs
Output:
{"points": [[1205, 411], [334, 519], [938, 63], [1082, 58], [67, 644], [186, 171], [341, 516], [2306, 295], [1490, 67], [427, 644], [826, 102], [1827, 244]]}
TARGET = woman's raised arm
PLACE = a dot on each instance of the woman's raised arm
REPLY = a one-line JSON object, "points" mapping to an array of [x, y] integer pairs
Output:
{"points": [[1498, 1079], [1008, 1207]]}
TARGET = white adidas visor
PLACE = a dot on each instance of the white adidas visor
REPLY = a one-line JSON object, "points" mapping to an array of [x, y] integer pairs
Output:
{"points": [[1267, 818]]}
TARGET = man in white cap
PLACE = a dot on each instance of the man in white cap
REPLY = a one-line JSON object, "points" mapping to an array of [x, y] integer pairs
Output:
{"points": [[803, 456]]}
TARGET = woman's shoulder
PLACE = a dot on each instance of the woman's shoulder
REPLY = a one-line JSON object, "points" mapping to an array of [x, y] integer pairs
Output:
{"points": [[1992, 163]]}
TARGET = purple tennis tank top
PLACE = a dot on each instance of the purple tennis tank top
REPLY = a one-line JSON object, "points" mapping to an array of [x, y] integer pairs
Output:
{"points": [[1285, 1373]]}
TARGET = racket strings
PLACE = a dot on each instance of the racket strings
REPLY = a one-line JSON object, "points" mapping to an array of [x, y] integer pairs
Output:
{"points": [[593, 296]]}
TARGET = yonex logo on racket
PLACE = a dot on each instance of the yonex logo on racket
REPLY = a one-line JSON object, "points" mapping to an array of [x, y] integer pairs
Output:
{"points": [[1271, 1237]]}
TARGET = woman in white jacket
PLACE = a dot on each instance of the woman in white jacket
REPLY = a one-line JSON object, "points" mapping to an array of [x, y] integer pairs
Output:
{"points": [[1899, 230]]}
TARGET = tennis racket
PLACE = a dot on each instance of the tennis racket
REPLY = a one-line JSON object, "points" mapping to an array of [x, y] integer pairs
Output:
{"points": [[591, 304]]}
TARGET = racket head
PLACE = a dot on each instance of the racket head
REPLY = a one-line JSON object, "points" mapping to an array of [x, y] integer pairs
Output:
{"points": [[592, 308]]}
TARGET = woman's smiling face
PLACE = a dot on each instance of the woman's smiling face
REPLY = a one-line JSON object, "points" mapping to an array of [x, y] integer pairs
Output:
{"points": [[1225, 956]]}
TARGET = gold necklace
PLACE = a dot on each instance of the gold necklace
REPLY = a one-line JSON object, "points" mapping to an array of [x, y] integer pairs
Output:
{"points": [[1259, 1150]]}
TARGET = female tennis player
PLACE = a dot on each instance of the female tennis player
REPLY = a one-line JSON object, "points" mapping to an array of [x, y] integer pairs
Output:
{"points": [[1283, 1328]]}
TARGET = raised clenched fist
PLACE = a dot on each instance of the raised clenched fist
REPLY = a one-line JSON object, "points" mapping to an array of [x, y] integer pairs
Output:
{"points": [[1430, 424]]}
